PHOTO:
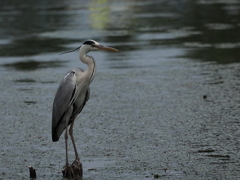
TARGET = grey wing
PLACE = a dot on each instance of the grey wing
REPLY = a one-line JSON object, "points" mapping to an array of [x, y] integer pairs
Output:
{"points": [[77, 108], [63, 97]]}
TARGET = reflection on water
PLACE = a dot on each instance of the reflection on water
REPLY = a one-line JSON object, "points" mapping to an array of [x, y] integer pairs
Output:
{"points": [[208, 30], [100, 13], [31, 65], [219, 55], [32, 45], [21, 19]]}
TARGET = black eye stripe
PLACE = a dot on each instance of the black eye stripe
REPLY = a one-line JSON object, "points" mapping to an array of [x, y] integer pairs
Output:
{"points": [[89, 42]]}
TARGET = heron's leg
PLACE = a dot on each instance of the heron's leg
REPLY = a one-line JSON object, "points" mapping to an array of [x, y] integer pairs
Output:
{"points": [[67, 117], [66, 138], [71, 135]]}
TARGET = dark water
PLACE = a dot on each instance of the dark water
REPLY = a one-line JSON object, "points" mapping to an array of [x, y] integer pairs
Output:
{"points": [[165, 106]]}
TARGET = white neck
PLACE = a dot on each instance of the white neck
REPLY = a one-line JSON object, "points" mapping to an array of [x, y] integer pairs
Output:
{"points": [[89, 60]]}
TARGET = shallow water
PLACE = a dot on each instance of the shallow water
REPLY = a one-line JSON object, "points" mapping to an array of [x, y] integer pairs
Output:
{"points": [[165, 106]]}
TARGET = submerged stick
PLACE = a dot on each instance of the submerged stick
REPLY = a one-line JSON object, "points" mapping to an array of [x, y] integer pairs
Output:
{"points": [[32, 172]]}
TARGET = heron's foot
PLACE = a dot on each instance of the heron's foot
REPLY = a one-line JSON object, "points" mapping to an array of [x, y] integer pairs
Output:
{"points": [[73, 171]]}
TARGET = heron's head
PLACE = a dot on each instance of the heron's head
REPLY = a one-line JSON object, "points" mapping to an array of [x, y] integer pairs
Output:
{"points": [[91, 45]]}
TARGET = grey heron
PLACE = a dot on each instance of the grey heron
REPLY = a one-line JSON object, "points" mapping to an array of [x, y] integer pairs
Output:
{"points": [[73, 93]]}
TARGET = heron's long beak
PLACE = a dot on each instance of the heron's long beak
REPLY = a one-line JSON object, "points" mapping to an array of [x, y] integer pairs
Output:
{"points": [[69, 51], [102, 47]]}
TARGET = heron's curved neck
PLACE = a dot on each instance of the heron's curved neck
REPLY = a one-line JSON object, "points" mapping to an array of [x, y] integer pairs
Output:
{"points": [[89, 60]]}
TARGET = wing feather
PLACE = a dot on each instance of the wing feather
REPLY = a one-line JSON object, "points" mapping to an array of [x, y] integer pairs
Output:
{"points": [[67, 94], [63, 97]]}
